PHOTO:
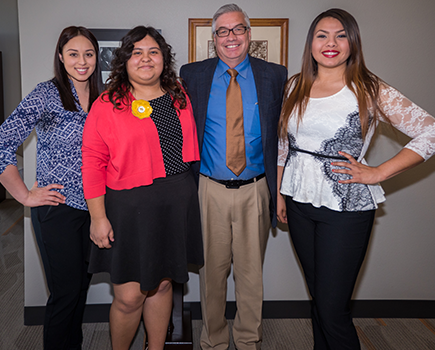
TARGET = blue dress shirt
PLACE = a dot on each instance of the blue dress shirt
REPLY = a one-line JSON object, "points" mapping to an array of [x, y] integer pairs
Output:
{"points": [[213, 153]]}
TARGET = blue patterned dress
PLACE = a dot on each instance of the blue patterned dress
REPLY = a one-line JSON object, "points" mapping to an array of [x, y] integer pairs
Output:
{"points": [[59, 132]]}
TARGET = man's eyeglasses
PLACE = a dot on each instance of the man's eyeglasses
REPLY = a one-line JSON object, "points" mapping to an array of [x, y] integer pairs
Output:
{"points": [[223, 32]]}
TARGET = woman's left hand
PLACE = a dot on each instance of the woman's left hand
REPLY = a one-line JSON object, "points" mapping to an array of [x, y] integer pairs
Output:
{"points": [[359, 173]]}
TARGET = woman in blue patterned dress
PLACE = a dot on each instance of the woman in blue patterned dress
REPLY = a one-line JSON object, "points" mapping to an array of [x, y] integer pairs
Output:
{"points": [[57, 109]]}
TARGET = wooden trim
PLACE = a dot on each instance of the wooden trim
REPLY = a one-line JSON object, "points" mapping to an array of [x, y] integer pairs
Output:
{"points": [[194, 23]]}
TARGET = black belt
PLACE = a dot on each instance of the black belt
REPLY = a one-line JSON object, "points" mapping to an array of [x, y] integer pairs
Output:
{"points": [[237, 183], [319, 154]]}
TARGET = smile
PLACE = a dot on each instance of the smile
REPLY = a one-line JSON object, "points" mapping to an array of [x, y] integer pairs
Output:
{"points": [[232, 46], [330, 53], [82, 70]]}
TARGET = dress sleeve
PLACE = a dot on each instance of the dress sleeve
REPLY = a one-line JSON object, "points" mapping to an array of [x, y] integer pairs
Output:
{"points": [[18, 126], [410, 119], [95, 154]]}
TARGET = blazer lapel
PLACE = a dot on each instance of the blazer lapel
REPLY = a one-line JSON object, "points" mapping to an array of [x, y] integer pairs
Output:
{"points": [[263, 92], [205, 79]]}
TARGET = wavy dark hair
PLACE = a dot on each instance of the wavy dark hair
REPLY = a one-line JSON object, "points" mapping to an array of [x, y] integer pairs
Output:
{"points": [[61, 78], [363, 83], [119, 85]]}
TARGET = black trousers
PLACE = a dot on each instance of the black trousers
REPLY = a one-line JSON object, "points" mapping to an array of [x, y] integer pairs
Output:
{"points": [[331, 247], [62, 234]]}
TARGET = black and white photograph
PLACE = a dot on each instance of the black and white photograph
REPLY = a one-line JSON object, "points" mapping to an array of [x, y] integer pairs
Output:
{"points": [[108, 41]]}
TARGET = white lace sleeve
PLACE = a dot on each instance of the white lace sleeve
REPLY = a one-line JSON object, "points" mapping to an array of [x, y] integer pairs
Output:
{"points": [[282, 151], [410, 119]]}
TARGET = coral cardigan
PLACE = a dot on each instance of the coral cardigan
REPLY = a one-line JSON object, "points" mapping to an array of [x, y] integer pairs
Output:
{"points": [[121, 151]]}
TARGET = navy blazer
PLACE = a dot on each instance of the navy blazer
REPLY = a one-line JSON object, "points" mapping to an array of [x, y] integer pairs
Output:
{"points": [[270, 80]]}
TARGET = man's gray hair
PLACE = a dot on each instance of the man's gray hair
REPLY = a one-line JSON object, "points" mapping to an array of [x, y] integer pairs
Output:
{"points": [[226, 9]]}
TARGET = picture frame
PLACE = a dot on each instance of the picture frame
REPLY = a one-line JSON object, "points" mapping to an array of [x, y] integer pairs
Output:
{"points": [[108, 41], [269, 39]]}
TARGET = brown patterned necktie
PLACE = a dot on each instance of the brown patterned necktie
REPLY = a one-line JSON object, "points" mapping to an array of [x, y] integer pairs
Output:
{"points": [[236, 160]]}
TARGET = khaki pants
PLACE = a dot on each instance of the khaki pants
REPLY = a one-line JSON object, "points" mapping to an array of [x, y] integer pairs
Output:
{"points": [[235, 226]]}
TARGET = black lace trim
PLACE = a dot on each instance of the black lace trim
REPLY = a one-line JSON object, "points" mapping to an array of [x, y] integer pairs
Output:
{"points": [[351, 197]]}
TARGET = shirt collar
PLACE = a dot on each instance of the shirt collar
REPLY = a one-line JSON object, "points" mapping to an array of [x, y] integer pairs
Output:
{"points": [[241, 68]]}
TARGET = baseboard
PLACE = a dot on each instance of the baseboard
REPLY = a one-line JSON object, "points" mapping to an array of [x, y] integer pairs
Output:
{"points": [[360, 309], [95, 313]]}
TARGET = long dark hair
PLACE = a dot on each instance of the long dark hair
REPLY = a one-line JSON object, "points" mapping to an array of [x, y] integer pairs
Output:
{"points": [[118, 85], [61, 79], [363, 83]]}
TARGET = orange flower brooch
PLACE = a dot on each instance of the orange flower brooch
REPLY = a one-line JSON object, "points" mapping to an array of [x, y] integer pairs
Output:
{"points": [[141, 109]]}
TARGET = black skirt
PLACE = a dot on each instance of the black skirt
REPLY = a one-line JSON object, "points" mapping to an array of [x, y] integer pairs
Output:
{"points": [[157, 233]]}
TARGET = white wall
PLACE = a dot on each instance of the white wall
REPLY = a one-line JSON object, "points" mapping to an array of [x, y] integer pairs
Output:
{"points": [[398, 46]]}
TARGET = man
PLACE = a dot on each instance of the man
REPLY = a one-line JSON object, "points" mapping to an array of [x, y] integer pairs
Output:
{"points": [[237, 175]]}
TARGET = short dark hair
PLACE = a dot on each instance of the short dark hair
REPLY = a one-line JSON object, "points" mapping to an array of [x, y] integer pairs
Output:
{"points": [[227, 9], [119, 85], [61, 79]]}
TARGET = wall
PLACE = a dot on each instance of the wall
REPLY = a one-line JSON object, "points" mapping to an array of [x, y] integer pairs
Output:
{"points": [[10, 48], [400, 262], [9, 45]]}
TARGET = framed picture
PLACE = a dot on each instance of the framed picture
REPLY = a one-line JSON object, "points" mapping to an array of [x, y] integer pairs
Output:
{"points": [[269, 39], [108, 40]]}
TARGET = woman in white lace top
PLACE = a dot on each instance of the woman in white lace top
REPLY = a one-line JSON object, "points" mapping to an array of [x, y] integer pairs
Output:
{"points": [[328, 193]]}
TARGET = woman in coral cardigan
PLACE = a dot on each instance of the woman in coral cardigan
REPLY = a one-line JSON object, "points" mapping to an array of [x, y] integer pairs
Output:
{"points": [[138, 143]]}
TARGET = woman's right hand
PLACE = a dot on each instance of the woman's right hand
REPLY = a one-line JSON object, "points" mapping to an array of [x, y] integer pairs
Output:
{"points": [[38, 196], [281, 209], [102, 232]]}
